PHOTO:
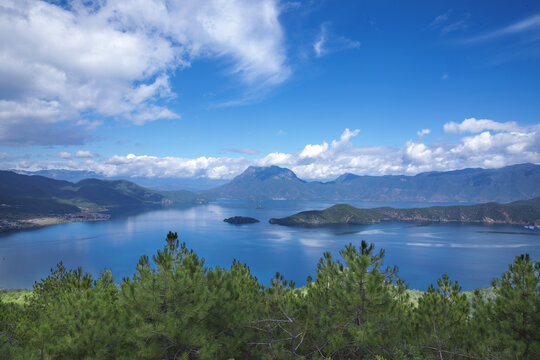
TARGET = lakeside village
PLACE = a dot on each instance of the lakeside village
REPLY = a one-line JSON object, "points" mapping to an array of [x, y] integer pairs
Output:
{"points": [[19, 224]]}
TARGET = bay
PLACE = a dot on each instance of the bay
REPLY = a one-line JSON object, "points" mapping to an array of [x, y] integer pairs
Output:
{"points": [[471, 254]]}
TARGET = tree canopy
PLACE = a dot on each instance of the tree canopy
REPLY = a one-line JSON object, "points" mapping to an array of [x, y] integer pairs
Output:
{"points": [[175, 307]]}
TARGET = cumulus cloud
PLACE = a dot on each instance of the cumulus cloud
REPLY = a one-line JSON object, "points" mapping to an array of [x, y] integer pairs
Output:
{"points": [[487, 144], [473, 125], [113, 59], [311, 151], [84, 154], [423, 132]]}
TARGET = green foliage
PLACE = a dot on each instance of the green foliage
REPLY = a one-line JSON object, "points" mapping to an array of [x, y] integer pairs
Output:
{"points": [[441, 319], [174, 307], [509, 322], [360, 303]]}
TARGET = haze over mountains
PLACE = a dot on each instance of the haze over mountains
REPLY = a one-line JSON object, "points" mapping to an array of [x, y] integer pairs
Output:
{"points": [[24, 197]]}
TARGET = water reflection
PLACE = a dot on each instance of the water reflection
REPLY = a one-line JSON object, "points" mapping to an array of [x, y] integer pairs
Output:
{"points": [[279, 235]]}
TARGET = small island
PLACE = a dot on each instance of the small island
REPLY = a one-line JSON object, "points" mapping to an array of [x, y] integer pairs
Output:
{"points": [[238, 220]]}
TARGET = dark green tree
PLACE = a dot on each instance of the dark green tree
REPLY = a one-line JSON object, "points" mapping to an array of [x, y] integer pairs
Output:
{"points": [[508, 325], [441, 325], [355, 306]]}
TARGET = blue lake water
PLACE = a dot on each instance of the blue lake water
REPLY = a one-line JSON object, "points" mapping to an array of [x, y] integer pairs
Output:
{"points": [[471, 254]]}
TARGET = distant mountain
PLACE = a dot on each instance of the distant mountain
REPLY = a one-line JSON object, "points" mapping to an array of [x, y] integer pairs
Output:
{"points": [[22, 195], [259, 183], [506, 184], [170, 184], [502, 185], [156, 183], [524, 212], [62, 174]]}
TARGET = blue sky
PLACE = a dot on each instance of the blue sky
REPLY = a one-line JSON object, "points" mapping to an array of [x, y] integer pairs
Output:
{"points": [[207, 88]]}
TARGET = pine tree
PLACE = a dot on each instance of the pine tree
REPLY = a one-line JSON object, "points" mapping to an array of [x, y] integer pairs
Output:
{"points": [[510, 322], [441, 321], [354, 305]]}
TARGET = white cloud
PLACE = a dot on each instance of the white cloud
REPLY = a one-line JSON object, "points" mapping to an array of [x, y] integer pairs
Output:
{"points": [[473, 125], [82, 154], [423, 132], [455, 26], [64, 155], [318, 45], [152, 166], [345, 137], [326, 42], [489, 144], [529, 24], [445, 26], [440, 20], [113, 59], [311, 151]]}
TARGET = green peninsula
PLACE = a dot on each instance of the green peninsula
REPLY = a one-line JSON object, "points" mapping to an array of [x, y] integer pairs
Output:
{"points": [[34, 201], [523, 212]]}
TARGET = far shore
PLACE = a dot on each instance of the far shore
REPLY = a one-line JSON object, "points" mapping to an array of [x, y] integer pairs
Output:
{"points": [[9, 225]]}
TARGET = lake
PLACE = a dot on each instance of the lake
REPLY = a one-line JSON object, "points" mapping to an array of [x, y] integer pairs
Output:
{"points": [[471, 254]]}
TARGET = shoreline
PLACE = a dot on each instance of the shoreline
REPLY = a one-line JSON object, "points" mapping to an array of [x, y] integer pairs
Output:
{"points": [[14, 225], [277, 221]]}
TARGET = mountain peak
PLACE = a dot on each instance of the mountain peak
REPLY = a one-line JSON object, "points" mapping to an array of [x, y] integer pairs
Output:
{"points": [[266, 173], [345, 178]]}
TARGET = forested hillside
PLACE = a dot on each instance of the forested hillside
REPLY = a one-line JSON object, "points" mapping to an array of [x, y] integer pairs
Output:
{"points": [[174, 307], [26, 196], [524, 212]]}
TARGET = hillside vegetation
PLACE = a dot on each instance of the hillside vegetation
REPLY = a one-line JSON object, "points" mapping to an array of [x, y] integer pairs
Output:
{"points": [[174, 307], [524, 212]]}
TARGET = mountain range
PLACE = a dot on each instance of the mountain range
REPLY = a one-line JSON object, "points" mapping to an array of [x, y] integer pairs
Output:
{"points": [[155, 183], [26, 196], [511, 183]]}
